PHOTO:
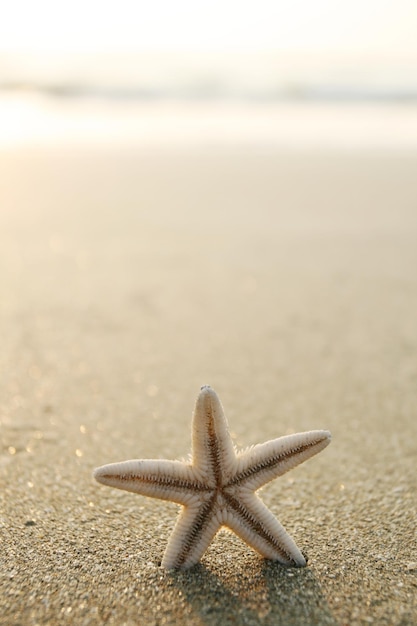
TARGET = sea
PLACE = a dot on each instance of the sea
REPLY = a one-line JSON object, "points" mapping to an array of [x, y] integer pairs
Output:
{"points": [[238, 107]]}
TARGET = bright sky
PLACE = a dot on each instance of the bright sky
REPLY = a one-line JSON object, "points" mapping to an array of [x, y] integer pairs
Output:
{"points": [[375, 26]]}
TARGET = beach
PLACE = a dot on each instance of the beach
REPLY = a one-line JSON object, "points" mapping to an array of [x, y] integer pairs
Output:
{"points": [[284, 278]]}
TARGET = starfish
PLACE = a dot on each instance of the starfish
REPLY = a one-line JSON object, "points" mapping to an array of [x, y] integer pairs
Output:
{"points": [[217, 488]]}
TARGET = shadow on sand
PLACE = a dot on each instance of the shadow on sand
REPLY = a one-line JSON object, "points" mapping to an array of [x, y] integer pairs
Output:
{"points": [[264, 594]]}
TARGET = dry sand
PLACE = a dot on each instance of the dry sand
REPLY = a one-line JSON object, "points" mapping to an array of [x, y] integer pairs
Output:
{"points": [[286, 281]]}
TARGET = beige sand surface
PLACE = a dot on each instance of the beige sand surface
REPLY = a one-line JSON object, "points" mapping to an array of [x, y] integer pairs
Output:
{"points": [[286, 281]]}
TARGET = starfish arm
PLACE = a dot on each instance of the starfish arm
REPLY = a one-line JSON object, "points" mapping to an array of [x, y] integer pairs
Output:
{"points": [[253, 522], [260, 464], [213, 452], [167, 480], [195, 528]]}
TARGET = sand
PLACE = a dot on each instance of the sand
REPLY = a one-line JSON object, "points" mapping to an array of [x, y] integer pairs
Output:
{"points": [[286, 280]]}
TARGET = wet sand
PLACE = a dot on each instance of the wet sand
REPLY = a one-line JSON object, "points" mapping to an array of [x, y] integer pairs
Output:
{"points": [[285, 280]]}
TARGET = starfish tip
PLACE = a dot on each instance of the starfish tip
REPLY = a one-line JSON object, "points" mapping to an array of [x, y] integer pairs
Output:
{"points": [[206, 393], [98, 474]]}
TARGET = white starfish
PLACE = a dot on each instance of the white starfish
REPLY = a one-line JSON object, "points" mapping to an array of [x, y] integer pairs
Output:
{"points": [[217, 488]]}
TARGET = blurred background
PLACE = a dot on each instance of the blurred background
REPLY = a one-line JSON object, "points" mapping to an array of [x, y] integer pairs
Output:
{"points": [[164, 163], [246, 168], [303, 73]]}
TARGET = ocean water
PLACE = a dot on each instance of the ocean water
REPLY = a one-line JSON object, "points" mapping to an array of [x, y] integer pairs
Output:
{"points": [[35, 119], [263, 99]]}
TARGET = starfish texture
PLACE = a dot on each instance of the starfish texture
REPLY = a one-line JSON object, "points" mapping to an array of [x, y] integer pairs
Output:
{"points": [[217, 488]]}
